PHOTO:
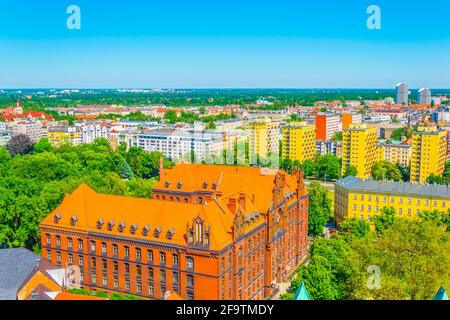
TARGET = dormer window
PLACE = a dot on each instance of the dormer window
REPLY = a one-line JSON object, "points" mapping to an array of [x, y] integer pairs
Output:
{"points": [[167, 184], [73, 220], [133, 228], [214, 186], [100, 223], [205, 185], [122, 225], [111, 225], [145, 230], [170, 233], [157, 232], [179, 185], [58, 216]]}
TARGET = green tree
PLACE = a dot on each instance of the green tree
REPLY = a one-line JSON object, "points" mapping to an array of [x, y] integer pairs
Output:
{"points": [[357, 227], [350, 171], [385, 170], [319, 209], [125, 171], [385, 219], [309, 168], [328, 167]]}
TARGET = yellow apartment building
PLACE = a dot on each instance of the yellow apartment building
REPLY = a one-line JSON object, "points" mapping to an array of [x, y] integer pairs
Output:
{"points": [[359, 149], [364, 199], [298, 142], [64, 134], [429, 153], [264, 137]]}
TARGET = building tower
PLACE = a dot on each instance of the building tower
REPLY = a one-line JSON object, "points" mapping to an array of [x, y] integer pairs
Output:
{"points": [[429, 152], [402, 93], [359, 149], [425, 96]]}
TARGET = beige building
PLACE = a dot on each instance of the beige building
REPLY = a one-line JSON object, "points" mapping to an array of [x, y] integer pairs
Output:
{"points": [[397, 153]]}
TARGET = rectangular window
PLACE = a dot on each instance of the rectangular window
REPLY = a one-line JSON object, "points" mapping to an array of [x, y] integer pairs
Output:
{"points": [[115, 249], [190, 280], [175, 259], [163, 276], [48, 239], [150, 274], [175, 279], [69, 243], [103, 247], [190, 263], [115, 267], [138, 287], [93, 246], [150, 256], [70, 259], [49, 255], [162, 258], [80, 261], [138, 254], [94, 278], [126, 251], [58, 240], [151, 289], [116, 282], [105, 280], [127, 284], [58, 256], [80, 244], [127, 269]]}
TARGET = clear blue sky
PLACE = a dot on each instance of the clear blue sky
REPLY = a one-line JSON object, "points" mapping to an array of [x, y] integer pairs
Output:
{"points": [[218, 43]]}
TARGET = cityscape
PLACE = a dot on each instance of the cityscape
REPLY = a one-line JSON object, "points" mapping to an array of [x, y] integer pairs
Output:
{"points": [[166, 176]]}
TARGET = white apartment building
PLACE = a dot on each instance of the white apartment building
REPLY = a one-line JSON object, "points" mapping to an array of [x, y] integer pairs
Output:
{"points": [[31, 129], [90, 132]]}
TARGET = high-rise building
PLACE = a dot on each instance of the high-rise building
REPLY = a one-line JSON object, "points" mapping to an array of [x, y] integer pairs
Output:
{"points": [[402, 93], [264, 138], [350, 118], [359, 149], [429, 152], [425, 96], [210, 232], [298, 142], [326, 126]]}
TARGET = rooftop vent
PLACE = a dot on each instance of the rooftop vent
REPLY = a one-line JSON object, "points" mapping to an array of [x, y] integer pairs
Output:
{"points": [[111, 225], [100, 223], [145, 230], [133, 228], [122, 225], [73, 220], [58, 216], [157, 232], [170, 233]]}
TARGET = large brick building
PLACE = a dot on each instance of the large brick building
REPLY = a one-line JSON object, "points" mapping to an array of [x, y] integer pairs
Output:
{"points": [[210, 232]]}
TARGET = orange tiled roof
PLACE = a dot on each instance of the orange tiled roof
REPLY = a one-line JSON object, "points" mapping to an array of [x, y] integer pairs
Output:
{"points": [[174, 296], [227, 179], [72, 296], [89, 207]]}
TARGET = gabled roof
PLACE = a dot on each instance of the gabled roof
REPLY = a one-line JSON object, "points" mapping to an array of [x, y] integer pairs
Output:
{"points": [[16, 265], [441, 294], [302, 293], [226, 179], [89, 208]]}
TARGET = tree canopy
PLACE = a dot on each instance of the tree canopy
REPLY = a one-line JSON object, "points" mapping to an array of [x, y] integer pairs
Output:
{"points": [[33, 185]]}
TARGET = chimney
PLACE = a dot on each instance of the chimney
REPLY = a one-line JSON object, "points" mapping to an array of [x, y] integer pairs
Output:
{"points": [[232, 205], [161, 168], [242, 200]]}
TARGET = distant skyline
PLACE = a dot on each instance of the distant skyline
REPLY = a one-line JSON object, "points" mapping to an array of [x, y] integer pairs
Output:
{"points": [[218, 44]]}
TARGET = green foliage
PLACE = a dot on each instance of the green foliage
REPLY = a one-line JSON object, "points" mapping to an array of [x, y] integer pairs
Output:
{"points": [[319, 209], [357, 227], [401, 133], [125, 171], [33, 185], [350, 171], [412, 255], [385, 219], [337, 136], [328, 167], [385, 170], [103, 294]]}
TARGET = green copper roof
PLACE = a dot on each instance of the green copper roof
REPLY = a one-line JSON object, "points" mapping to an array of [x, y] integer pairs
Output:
{"points": [[302, 293], [441, 294]]}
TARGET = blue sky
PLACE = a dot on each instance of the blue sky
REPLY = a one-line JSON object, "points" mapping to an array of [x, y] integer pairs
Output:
{"points": [[247, 43]]}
